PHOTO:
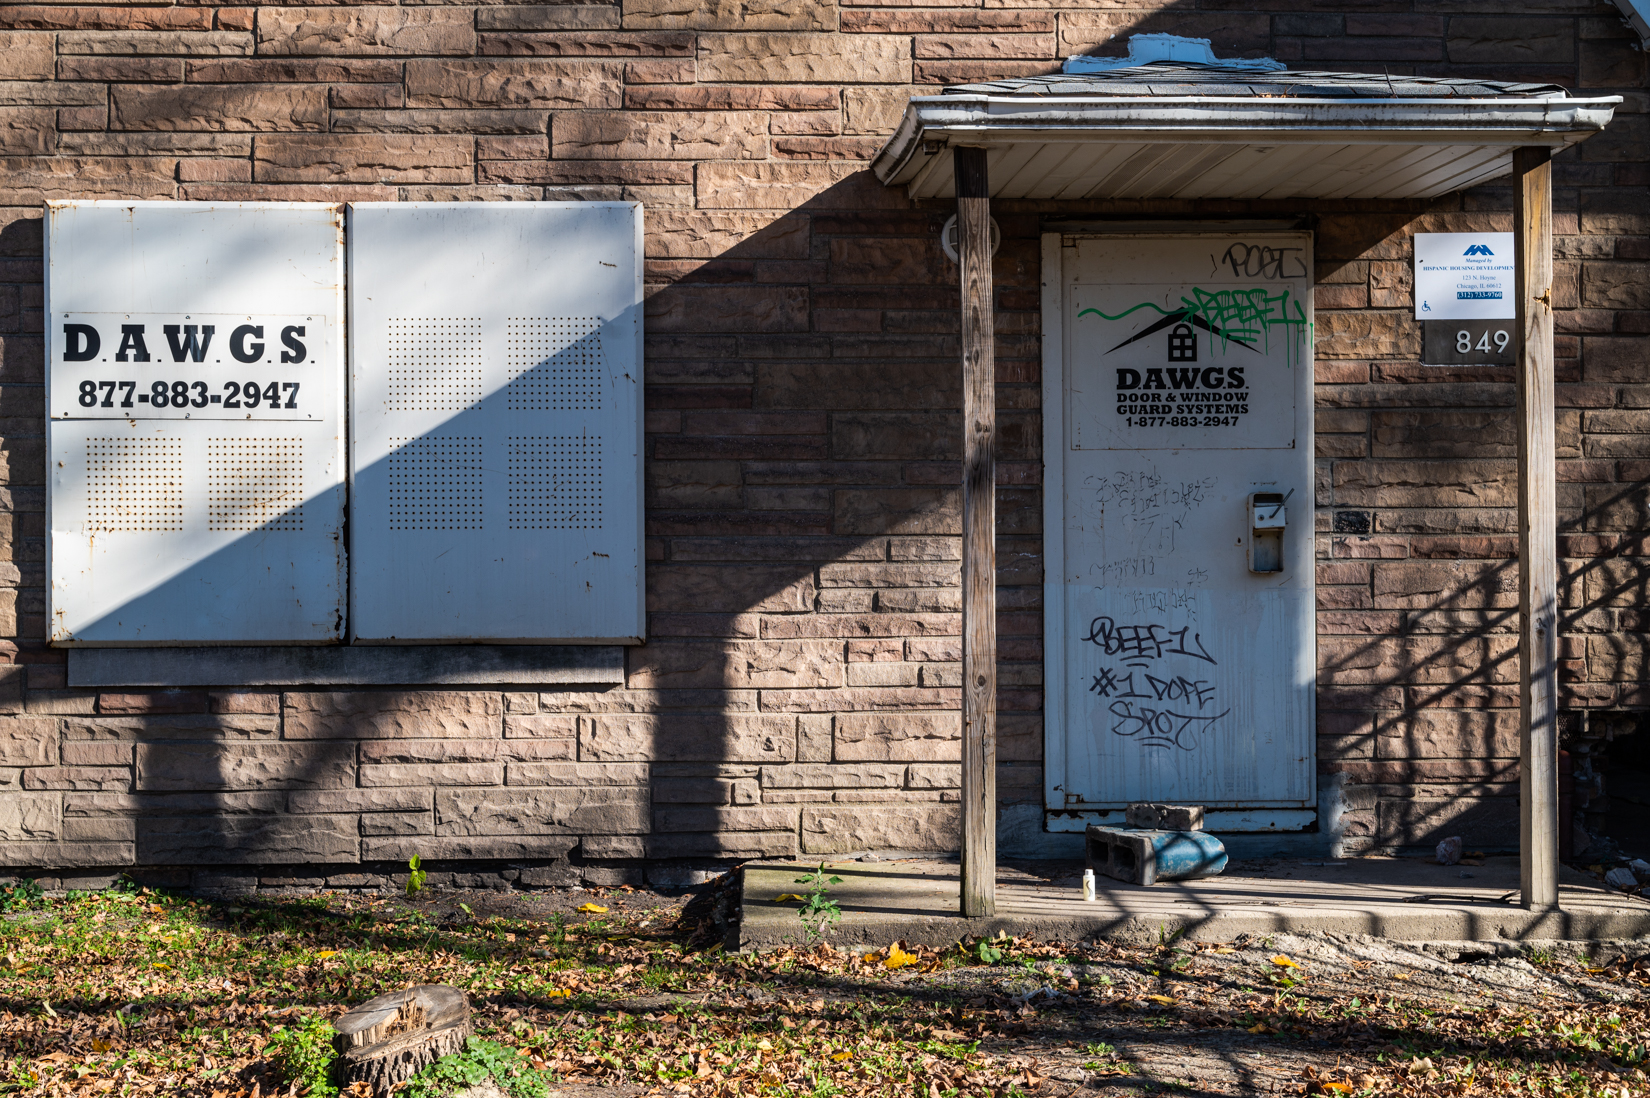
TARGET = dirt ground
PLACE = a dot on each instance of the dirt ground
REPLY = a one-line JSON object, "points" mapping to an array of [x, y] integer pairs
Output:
{"points": [[620, 992]]}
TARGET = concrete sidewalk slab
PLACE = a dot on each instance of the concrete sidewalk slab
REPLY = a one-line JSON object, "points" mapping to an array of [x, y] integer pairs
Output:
{"points": [[1402, 898]]}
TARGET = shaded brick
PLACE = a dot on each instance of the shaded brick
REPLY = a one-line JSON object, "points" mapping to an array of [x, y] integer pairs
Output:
{"points": [[805, 58], [254, 107]]}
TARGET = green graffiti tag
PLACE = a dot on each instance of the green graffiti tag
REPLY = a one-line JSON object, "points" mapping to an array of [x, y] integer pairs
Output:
{"points": [[1245, 317]]}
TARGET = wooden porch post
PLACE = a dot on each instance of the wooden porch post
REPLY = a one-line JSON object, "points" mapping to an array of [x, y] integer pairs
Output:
{"points": [[1537, 534], [979, 547]]}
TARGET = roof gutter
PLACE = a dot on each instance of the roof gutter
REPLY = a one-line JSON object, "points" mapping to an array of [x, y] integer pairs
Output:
{"points": [[1001, 120]]}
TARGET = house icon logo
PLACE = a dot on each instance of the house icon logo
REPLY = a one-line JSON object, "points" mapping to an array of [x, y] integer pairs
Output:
{"points": [[1478, 249]]}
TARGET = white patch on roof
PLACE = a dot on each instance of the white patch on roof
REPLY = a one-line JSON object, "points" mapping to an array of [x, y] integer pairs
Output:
{"points": [[1146, 48]]}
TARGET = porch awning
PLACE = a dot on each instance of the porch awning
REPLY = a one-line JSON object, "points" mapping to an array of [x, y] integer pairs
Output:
{"points": [[1174, 129]]}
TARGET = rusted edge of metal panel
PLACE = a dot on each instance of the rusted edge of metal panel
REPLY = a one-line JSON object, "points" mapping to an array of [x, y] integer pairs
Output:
{"points": [[397, 665]]}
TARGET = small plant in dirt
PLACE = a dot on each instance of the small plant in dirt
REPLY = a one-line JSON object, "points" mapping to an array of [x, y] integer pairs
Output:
{"points": [[303, 1054], [22, 896], [818, 912], [480, 1062], [415, 875]]}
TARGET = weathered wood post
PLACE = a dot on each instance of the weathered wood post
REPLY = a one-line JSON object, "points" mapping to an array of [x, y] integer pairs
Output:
{"points": [[1537, 534], [979, 548]]}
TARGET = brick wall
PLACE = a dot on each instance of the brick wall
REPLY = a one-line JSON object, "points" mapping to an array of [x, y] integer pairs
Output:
{"points": [[799, 691]]}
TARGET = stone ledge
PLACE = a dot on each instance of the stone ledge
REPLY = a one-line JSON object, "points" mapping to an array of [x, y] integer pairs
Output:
{"points": [[388, 665]]}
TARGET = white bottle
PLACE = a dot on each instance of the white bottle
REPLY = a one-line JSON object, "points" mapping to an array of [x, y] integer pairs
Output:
{"points": [[1088, 884]]}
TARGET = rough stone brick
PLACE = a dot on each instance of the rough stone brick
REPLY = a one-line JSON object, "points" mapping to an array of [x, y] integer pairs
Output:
{"points": [[1426, 483], [882, 674], [806, 122], [254, 107], [566, 44], [514, 84], [366, 31], [1485, 821], [552, 726], [580, 774], [741, 664], [386, 824], [734, 97], [1508, 41], [279, 70], [28, 741], [1438, 733], [207, 170], [720, 308], [30, 817], [757, 588], [652, 135], [422, 774], [707, 234], [794, 58], [135, 43], [769, 185], [458, 848], [27, 55], [688, 737], [194, 766], [77, 753], [929, 776], [838, 830], [430, 752], [82, 829], [984, 46], [30, 181], [1615, 285], [350, 158], [898, 736], [723, 844], [574, 17], [613, 810], [1455, 583], [684, 818], [898, 511], [369, 801], [129, 70], [441, 121], [833, 776], [411, 714], [203, 728], [748, 15], [80, 779], [248, 840], [1423, 434]]}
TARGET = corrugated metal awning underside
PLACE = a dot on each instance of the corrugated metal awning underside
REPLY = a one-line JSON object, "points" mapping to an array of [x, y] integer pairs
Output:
{"points": [[1120, 140]]}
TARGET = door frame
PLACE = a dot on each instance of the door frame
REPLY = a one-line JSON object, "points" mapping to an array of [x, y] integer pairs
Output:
{"points": [[1056, 816]]}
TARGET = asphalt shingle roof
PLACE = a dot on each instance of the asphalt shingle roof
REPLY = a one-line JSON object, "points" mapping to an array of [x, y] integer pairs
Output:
{"points": [[1180, 78]]}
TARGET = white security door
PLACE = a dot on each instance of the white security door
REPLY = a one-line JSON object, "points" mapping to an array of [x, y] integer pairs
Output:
{"points": [[1180, 639]]}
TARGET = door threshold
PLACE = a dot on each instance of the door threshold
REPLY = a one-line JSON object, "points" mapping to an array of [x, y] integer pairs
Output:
{"points": [[1214, 819]]}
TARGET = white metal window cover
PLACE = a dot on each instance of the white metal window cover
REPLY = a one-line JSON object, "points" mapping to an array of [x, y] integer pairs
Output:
{"points": [[1175, 130], [181, 510], [495, 422]]}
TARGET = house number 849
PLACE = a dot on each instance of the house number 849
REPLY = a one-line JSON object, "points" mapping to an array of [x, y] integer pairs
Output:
{"points": [[1463, 341]]}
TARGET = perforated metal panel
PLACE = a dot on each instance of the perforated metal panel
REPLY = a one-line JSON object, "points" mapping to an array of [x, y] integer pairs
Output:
{"points": [[194, 403], [496, 424]]}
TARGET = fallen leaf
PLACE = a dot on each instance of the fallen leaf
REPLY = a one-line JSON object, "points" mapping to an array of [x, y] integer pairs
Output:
{"points": [[595, 909], [1225, 949], [786, 897], [1258, 1027], [325, 953], [841, 1056], [898, 958], [1164, 999], [1284, 962]]}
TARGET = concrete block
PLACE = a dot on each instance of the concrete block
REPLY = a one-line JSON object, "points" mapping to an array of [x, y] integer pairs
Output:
{"points": [[1165, 817]]}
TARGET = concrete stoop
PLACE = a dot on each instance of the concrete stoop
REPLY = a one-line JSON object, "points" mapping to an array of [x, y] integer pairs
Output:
{"points": [[1400, 898]]}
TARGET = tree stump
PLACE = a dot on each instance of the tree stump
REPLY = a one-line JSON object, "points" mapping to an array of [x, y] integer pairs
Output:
{"points": [[388, 1040]]}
